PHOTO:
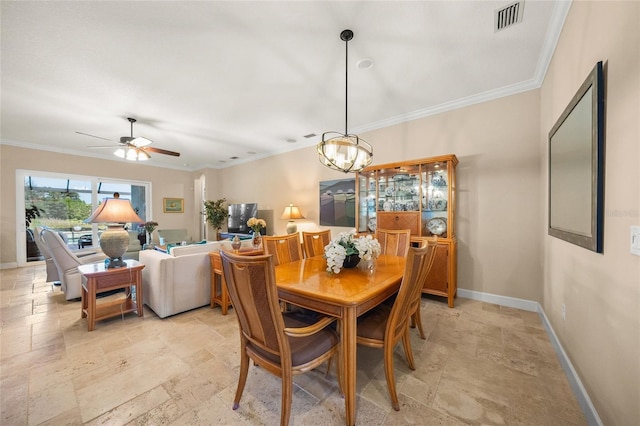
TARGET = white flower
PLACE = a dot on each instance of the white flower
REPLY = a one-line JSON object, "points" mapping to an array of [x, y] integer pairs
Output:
{"points": [[346, 244]]}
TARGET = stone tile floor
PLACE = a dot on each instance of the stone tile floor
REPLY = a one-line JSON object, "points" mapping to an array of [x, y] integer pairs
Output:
{"points": [[481, 364]]}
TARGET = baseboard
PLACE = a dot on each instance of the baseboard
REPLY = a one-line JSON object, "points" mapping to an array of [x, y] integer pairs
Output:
{"points": [[11, 265], [588, 409], [579, 391], [511, 302]]}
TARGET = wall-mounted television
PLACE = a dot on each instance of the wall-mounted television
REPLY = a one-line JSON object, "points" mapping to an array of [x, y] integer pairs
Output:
{"points": [[239, 214]]}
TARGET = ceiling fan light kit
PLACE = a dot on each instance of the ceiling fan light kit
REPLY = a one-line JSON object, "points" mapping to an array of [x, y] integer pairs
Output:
{"points": [[134, 148], [342, 151]]}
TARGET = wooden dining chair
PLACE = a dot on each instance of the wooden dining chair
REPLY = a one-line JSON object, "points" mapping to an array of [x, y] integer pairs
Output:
{"points": [[394, 241], [282, 344], [384, 326], [315, 242], [416, 319], [284, 248]]}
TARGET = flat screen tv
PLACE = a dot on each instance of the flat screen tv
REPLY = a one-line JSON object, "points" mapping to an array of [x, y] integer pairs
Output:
{"points": [[239, 214]]}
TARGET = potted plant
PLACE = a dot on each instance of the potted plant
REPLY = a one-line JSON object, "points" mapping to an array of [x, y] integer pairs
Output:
{"points": [[216, 213], [29, 214]]}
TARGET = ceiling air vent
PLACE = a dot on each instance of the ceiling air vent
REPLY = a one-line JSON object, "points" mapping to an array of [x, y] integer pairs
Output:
{"points": [[509, 15]]}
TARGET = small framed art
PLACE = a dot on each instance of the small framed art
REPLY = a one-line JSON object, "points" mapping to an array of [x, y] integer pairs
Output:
{"points": [[173, 205]]}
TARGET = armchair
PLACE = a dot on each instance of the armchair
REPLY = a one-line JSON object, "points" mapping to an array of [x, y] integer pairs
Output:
{"points": [[67, 262], [52, 271]]}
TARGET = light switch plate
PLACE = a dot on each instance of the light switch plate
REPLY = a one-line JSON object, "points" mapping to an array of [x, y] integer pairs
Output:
{"points": [[635, 240]]}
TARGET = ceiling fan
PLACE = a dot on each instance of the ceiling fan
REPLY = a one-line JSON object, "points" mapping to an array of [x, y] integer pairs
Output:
{"points": [[133, 148]]}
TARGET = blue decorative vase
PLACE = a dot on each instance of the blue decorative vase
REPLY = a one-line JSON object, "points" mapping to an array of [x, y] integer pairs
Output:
{"points": [[351, 261]]}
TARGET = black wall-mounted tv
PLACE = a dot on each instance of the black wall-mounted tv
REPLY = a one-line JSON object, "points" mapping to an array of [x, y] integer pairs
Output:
{"points": [[239, 214]]}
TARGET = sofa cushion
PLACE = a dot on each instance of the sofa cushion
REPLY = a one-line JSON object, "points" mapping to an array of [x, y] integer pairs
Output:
{"points": [[207, 247], [174, 235]]}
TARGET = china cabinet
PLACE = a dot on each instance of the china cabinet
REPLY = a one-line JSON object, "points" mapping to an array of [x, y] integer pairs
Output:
{"points": [[418, 195]]}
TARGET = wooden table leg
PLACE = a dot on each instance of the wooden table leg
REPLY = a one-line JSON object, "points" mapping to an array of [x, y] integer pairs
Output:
{"points": [[224, 295], [83, 300], [91, 304], [139, 301], [348, 333]]}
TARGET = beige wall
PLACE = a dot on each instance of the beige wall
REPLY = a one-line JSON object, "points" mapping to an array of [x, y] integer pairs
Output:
{"points": [[498, 187], [601, 333]]}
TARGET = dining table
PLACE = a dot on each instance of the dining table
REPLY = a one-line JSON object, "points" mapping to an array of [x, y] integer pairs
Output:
{"points": [[345, 296]]}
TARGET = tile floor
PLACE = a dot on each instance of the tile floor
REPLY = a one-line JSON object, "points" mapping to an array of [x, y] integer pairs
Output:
{"points": [[481, 364]]}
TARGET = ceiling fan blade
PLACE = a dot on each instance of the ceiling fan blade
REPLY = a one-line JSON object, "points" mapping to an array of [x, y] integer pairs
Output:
{"points": [[160, 151], [94, 136]]}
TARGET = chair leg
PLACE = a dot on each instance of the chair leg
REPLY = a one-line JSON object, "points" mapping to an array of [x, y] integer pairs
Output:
{"points": [[244, 372], [287, 390], [416, 319], [388, 373], [406, 343]]}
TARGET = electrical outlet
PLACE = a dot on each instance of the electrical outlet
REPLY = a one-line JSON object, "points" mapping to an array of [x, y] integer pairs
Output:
{"points": [[564, 312], [635, 240]]}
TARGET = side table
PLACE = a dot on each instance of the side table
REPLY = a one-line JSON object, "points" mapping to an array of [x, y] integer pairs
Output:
{"points": [[219, 293], [96, 278]]}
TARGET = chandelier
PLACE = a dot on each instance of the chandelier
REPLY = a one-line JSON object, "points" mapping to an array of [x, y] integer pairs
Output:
{"points": [[342, 151]]}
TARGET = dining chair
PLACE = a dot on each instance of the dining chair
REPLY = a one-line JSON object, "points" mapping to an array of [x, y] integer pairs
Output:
{"points": [[416, 319], [384, 326], [284, 248], [394, 241], [315, 242], [281, 343]]}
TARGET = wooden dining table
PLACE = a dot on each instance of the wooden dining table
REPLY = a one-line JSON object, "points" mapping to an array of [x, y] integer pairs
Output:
{"points": [[346, 296]]}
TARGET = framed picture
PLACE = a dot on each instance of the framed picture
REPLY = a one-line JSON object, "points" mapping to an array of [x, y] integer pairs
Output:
{"points": [[173, 205], [338, 203]]}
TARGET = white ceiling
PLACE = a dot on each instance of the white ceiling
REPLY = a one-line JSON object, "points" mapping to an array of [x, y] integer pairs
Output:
{"points": [[214, 80]]}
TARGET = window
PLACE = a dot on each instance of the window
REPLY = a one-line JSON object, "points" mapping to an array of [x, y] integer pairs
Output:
{"points": [[63, 202]]}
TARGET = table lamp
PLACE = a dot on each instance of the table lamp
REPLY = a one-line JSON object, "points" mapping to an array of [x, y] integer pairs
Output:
{"points": [[290, 213], [114, 242]]}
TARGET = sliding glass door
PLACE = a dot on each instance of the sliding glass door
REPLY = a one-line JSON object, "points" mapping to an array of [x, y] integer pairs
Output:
{"points": [[63, 202]]}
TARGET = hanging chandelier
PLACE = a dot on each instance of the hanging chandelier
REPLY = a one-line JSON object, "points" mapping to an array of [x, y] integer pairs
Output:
{"points": [[342, 151]]}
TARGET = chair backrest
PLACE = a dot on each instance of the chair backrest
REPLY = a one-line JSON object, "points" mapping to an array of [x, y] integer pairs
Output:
{"points": [[252, 288], [419, 263], [42, 246], [62, 256], [284, 248], [394, 241], [315, 242]]}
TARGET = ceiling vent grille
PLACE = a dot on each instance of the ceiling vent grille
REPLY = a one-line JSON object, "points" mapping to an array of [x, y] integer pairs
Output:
{"points": [[509, 15]]}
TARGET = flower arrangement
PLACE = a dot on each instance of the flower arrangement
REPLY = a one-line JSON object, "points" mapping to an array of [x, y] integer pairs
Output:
{"points": [[150, 226], [347, 244], [256, 224]]}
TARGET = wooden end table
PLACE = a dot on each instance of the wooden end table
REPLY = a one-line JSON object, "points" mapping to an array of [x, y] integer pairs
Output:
{"points": [[219, 293], [96, 278]]}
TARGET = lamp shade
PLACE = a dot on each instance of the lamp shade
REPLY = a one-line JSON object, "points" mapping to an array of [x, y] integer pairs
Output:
{"points": [[290, 213], [114, 242]]}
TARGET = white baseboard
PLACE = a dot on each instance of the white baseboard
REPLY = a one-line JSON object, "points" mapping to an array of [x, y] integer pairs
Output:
{"points": [[511, 302], [580, 392], [11, 265]]}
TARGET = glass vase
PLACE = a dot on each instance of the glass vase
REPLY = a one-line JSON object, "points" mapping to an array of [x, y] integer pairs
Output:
{"points": [[257, 240]]}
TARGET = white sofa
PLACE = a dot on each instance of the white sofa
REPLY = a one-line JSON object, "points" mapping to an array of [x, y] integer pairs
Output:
{"points": [[179, 281]]}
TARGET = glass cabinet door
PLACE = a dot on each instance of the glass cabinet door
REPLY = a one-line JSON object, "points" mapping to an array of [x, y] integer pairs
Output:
{"points": [[435, 199], [367, 202], [399, 190]]}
